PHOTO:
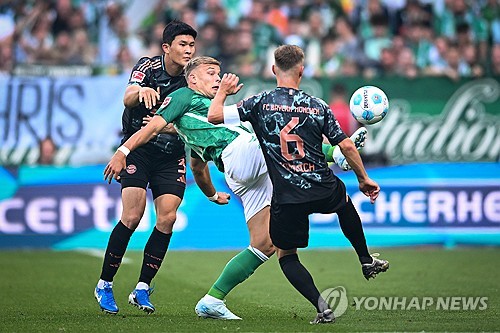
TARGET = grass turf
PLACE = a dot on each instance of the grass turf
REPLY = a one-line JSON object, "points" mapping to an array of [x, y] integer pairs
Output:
{"points": [[44, 291]]}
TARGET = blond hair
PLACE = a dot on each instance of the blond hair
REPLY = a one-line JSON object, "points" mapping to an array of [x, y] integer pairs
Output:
{"points": [[197, 61]]}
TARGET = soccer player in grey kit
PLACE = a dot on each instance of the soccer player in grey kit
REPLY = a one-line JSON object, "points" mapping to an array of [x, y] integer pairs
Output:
{"points": [[290, 125]]}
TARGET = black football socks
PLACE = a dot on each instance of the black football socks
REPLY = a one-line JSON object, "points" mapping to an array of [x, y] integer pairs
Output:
{"points": [[302, 280], [117, 245], [154, 253], [350, 223]]}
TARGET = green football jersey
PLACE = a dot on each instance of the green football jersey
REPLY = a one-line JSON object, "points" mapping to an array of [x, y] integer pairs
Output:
{"points": [[188, 111]]}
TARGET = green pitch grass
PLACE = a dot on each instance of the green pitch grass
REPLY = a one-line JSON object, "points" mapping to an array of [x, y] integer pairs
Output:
{"points": [[53, 292]]}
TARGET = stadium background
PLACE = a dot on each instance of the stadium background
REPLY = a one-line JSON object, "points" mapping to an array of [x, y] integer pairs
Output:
{"points": [[65, 65]]}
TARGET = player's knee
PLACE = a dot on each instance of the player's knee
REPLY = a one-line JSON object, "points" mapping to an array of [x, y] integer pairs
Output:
{"points": [[131, 220], [166, 220], [265, 246]]}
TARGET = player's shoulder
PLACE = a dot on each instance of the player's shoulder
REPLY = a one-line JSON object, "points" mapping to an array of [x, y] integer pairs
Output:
{"points": [[182, 93], [156, 62], [315, 100], [143, 62]]}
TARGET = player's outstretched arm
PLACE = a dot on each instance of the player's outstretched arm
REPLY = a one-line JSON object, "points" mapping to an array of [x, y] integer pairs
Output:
{"points": [[204, 181], [228, 86], [119, 160], [135, 94], [366, 185]]}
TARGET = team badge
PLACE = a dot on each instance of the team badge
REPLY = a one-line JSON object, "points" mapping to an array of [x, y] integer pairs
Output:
{"points": [[166, 101], [137, 76], [131, 169]]}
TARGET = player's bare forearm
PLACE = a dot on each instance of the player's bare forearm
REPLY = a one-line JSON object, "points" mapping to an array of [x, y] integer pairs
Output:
{"points": [[118, 161], [146, 133], [202, 178], [352, 155], [131, 97], [169, 129], [366, 185], [228, 86], [135, 94], [216, 110]]}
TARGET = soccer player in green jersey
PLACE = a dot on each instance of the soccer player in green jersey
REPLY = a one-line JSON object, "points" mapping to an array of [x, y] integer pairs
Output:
{"points": [[227, 146]]}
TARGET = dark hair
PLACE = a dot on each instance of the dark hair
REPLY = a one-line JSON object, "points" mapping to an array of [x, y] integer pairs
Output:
{"points": [[176, 28], [288, 56]]}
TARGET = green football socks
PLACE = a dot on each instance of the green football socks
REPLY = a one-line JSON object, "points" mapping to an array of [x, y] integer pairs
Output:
{"points": [[237, 270], [328, 151]]}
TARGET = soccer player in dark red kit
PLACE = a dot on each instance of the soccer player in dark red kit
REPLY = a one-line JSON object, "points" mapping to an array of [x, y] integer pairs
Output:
{"points": [[159, 165], [290, 125]]}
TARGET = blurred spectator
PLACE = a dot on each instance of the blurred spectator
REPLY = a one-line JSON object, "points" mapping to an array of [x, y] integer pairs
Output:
{"points": [[495, 60], [208, 43], [406, 65], [348, 43], [380, 38], [349, 68], [154, 40], [456, 15], [339, 104], [48, 151], [264, 35], [437, 55], [330, 59], [455, 66], [387, 65], [470, 56], [363, 15], [491, 14], [339, 37], [412, 13], [277, 18], [124, 60], [297, 30], [313, 44]]}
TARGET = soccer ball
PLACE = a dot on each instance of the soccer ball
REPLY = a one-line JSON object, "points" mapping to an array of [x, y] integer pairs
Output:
{"points": [[369, 105]]}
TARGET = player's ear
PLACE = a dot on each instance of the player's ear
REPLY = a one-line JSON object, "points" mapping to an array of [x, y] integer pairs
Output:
{"points": [[166, 48], [192, 78], [274, 70], [301, 71]]}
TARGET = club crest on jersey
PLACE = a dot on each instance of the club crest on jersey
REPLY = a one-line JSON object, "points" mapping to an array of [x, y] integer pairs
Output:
{"points": [[137, 76], [165, 102], [131, 169]]}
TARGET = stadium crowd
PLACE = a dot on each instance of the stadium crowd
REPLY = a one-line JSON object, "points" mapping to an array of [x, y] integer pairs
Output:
{"points": [[456, 38]]}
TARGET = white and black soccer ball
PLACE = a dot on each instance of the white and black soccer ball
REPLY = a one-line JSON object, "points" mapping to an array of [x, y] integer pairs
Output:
{"points": [[369, 105]]}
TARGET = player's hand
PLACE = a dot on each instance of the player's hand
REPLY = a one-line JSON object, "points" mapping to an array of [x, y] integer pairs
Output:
{"points": [[223, 198], [146, 120], [149, 96], [115, 166], [370, 189], [229, 84]]}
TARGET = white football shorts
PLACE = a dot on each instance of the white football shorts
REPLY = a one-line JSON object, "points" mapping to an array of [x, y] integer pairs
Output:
{"points": [[245, 171]]}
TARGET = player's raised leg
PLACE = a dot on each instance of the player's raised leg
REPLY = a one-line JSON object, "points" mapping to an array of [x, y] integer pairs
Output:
{"points": [[359, 139], [238, 269], [350, 223], [255, 193]]}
